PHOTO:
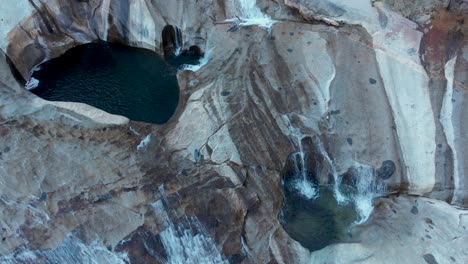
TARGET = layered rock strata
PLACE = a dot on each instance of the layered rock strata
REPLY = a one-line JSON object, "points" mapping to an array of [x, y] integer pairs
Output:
{"points": [[376, 83]]}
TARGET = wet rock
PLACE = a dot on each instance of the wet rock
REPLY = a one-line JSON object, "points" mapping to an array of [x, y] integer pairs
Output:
{"points": [[171, 40], [386, 170], [414, 210], [193, 51], [430, 259], [245, 137]]}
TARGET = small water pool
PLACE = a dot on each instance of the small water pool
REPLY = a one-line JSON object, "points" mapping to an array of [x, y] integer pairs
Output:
{"points": [[319, 222], [132, 82]]}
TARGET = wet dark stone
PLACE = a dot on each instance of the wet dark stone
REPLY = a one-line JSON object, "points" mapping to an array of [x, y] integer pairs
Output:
{"points": [[313, 162], [6, 149], [237, 258], [350, 141], [171, 40], [383, 19], [225, 93], [372, 81], [290, 50], [453, 259], [335, 112], [194, 51], [143, 246], [187, 56], [349, 177], [42, 197], [429, 258], [291, 33], [386, 170], [414, 210], [428, 221]]}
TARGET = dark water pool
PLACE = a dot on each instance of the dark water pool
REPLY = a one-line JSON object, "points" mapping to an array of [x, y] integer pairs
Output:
{"points": [[317, 223], [132, 82]]}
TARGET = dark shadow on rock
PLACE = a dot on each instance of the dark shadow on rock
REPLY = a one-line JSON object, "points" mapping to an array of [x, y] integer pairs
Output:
{"points": [[174, 52], [386, 170], [171, 40]]}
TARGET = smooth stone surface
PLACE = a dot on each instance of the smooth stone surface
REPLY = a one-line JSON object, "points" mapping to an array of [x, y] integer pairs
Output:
{"points": [[244, 138], [394, 234]]}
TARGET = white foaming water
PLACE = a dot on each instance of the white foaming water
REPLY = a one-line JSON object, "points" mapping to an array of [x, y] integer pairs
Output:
{"points": [[72, 251], [202, 62], [187, 245], [306, 189], [302, 185], [366, 190], [144, 142], [105, 8], [32, 83], [340, 198], [178, 41], [252, 15]]}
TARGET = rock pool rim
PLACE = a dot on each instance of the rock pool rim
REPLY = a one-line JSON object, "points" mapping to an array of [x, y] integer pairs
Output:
{"points": [[175, 66]]}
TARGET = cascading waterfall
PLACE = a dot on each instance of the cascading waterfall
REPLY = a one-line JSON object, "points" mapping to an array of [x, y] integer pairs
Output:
{"points": [[72, 251], [178, 41], [367, 188], [340, 198], [301, 184], [202, 62], [186, 244], [250, 14], [32, 83], [105, 8]]}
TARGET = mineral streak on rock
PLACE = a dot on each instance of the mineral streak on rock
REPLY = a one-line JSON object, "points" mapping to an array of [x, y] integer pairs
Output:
{"points": [[74, 168]]}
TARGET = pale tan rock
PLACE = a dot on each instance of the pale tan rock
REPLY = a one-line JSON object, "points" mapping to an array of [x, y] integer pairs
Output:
{"points": [[71, 167]]}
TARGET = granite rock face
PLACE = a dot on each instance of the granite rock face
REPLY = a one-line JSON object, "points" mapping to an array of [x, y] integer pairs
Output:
{"points": [[375, 81]]}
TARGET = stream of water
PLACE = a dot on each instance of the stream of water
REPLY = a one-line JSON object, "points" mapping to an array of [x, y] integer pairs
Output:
{"points": [[186, 242], [319, 215], [251, 15]]}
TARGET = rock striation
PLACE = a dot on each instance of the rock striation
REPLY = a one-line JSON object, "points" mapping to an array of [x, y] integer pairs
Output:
{"points": [[376, 81]]}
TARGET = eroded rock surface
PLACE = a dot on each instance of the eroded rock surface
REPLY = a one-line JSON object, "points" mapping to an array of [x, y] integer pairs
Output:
{"points": [[374, 85]]}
